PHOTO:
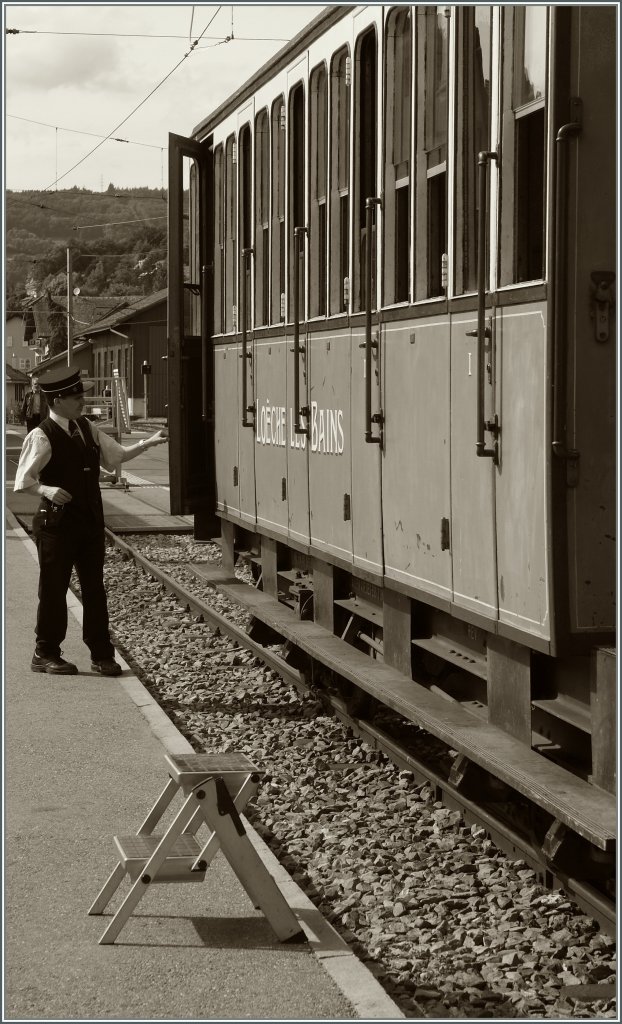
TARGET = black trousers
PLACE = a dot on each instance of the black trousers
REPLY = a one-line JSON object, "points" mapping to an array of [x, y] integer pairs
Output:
{"points": [[60, 548], [33, 422]]}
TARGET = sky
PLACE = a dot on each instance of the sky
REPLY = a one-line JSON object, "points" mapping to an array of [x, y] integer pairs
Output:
{"points": [[90, 82]]}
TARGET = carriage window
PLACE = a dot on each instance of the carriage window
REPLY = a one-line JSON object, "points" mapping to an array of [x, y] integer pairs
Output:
{"points": [[318, 123], [231, 202], [277, 127], [192, 271], [245, 192], [523, 170], [472, 135], [296, 191], [262, 217], [218, 241], [529, 55], [339, 178], [396, 209], [431, 205], [365, 186]]}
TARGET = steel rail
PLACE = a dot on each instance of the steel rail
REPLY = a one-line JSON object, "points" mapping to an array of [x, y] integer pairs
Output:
{"points": [[198, 607]]}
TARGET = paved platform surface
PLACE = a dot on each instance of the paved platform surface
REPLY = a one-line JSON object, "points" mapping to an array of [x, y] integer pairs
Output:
{"points": [[84, 760]]}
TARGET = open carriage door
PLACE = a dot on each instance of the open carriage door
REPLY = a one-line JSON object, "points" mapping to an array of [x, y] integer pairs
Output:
{"points": [[190, 364]]}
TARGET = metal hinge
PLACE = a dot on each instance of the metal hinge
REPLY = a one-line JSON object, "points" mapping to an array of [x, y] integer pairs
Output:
{"points": [[602, 302]]}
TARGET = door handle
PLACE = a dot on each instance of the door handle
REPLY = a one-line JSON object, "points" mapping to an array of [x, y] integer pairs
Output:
{"points": [[484, 330], [370, 438], [299, 428], [246, 356]]}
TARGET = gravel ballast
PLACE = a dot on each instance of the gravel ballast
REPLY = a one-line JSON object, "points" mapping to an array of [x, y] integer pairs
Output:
{"points": [[446, 922]]}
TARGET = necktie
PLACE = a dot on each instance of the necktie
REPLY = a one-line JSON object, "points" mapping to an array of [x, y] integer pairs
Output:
{"points": [[75, 434]]}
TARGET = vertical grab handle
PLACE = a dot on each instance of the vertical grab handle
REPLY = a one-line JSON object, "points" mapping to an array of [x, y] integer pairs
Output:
{"points": [[559, 287], [246, 356], [483, 331], [299, 428], [370, 203], [205, 269]]}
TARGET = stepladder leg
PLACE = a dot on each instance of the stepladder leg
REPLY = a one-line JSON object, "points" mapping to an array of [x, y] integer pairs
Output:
{"points": [[158, 809], [212, 846], [222, 817], [103, 899], [150, 870]]}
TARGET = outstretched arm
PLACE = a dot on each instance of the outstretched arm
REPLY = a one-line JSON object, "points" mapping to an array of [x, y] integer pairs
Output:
{"points": [[113, 453], [160, 437]]}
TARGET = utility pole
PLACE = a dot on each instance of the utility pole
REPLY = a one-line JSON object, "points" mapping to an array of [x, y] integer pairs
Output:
{"points": [[69, 306]]}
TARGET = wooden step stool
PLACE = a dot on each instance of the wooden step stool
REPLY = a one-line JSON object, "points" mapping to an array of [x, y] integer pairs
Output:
{"points": [[215, 790]]}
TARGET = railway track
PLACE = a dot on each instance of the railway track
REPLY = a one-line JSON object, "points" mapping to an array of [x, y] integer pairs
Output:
{"points": [[507, 821]]}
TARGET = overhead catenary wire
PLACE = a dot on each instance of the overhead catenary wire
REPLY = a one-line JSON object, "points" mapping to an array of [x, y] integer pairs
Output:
{"points": [[113, 223], [137, 107], [72, 196], [77, 131], [145, 35]]}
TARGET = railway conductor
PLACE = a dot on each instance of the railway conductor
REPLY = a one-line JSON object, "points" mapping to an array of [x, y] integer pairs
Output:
{"points": [[60, 461]]}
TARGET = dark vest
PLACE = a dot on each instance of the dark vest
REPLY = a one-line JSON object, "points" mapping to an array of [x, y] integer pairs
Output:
{"points": [[75, 468]]}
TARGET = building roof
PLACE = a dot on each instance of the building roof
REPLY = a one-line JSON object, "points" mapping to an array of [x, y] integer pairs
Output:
{"points": [[123, 316], [60, 357], [87, 309], [16, 376]]}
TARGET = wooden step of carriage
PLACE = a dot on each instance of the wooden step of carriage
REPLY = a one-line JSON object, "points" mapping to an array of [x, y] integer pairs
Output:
{"points": [[573, 802]]}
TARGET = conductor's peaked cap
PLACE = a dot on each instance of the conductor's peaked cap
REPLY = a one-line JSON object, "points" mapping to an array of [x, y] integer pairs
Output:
{"points": [[61, 382]]}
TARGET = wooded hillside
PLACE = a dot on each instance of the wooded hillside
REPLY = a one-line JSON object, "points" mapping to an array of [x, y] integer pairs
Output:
{"points": [[118, 238]]}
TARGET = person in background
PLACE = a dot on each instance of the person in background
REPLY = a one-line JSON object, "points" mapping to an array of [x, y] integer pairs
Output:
{"points": [[33, 407], [60, 462]]}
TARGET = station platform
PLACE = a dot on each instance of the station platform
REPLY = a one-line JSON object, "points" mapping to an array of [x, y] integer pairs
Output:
{"points": [[84, 761]]}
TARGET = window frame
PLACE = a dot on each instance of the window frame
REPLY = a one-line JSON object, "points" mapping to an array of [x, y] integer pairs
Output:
{"points": [[339, 105], [364, 172], [397, 178], [296, 178], [218, 192], [230, 235], [278, 157], [514, 122], [318, 200], [261, 187]]}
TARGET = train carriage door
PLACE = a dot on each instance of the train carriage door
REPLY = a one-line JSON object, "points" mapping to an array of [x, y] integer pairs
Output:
{"points": [[366, 418], [416, 469], [473, 479], [519, 330], [330, 467], [296, 334], [270, 365], [246, 360], [190, 367]]}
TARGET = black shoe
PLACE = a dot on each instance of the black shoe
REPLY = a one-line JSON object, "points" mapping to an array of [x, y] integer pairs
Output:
{"points": [[54, 665], [107, 667]]}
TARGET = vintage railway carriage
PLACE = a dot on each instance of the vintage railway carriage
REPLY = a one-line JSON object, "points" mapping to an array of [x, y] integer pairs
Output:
{"points": [[392, 350]]}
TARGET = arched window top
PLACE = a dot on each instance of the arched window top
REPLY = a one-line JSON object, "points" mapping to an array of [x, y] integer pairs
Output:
{"points": [[398, 21], [338, 65], [318, 72], [366, 38]]}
